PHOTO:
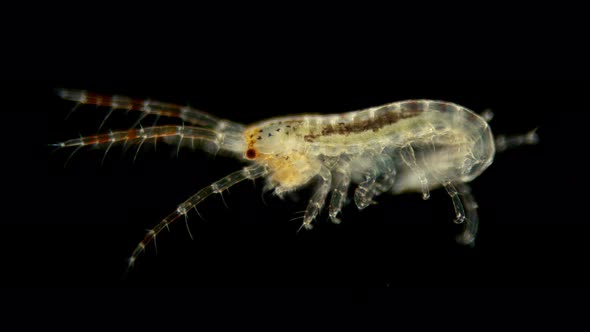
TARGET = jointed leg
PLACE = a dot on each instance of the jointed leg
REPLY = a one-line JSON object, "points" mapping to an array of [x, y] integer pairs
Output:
{"points": [[363, 194], [379, 180], [457, 203], [409, 158], [148, 107], [342, 176], [251, 172], [471, 218], [319, 198], [386, 179], [465, 210]]}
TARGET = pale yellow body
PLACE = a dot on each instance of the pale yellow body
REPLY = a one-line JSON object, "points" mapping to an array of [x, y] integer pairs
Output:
{"points": [[462, 142]]}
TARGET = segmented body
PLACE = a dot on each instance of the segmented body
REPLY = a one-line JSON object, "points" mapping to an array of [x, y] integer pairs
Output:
{"points": [[408, 146]]}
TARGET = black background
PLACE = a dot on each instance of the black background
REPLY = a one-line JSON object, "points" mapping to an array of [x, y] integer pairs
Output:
{"points": [[71, 230], [75, 226]]}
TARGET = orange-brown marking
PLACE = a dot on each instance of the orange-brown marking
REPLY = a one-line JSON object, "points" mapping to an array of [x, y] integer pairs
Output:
{"points": [[251, 153], [132, 134]]}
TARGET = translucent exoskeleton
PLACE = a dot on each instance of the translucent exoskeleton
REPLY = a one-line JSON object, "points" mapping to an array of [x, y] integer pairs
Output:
{"points": [[407, 146]]}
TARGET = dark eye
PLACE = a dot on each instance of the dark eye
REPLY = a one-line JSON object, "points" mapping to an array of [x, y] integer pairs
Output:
{"points": [[251, 154]]}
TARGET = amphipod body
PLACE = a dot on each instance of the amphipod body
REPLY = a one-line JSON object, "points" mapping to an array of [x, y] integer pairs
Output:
{"points": [[408, 146]]}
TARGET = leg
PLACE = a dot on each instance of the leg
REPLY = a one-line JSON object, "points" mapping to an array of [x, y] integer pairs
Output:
{"points": [[251, 172], [379, 180], [228, 142], [457, 203], [342, 175], [148, 107], [471, 220], [409, 158], [465, 211], [363, 194], [387, 178], [319, 198]]}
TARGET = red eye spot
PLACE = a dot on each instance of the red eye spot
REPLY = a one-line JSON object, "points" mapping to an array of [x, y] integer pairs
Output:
{"points": [[251, 154]]}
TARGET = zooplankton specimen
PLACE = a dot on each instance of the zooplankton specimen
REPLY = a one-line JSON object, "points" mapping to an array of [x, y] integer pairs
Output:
{"points": [[406, 146]]}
